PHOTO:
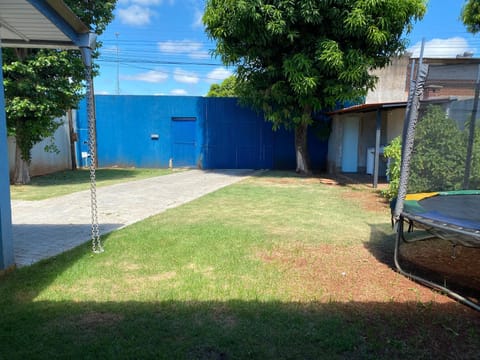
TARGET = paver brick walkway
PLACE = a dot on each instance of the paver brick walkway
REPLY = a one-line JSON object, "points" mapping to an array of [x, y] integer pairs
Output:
{"points": [[45, 228]]}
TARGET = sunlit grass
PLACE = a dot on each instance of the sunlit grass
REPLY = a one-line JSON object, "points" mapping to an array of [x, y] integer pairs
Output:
{"points": [[68, 181]]}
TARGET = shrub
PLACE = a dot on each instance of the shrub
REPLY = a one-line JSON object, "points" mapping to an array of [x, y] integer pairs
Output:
{"points": [[438, 159], [393, 152], [439, 155]]}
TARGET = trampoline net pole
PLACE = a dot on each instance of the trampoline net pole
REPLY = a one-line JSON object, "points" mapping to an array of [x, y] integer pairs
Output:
{"points": [[471, 132], [412, 118]]}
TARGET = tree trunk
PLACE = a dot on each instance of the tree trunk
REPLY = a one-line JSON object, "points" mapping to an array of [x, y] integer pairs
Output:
{"points": [[21, 175], [72, 139], [301, 149]]}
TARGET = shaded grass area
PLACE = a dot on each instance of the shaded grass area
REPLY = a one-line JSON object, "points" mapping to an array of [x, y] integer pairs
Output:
{"points": [[69, 181], [193, 283]]}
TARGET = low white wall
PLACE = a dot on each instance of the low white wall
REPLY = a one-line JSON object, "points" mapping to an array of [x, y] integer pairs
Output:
{"points": [[46, 162]]}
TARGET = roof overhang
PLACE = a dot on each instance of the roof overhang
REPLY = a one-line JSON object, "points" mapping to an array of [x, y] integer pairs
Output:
{"points": [[40, 24], [363, 108]]}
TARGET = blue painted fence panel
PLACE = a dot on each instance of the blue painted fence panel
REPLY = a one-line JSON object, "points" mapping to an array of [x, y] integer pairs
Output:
{"points": [[212, 133], [235, 136], [137, 130]]}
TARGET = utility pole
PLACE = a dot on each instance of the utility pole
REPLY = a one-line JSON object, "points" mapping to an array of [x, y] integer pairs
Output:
{"points": [[118, 68]]}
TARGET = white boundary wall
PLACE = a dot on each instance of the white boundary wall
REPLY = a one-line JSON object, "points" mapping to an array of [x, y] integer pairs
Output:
{"points": [[46, 162]]}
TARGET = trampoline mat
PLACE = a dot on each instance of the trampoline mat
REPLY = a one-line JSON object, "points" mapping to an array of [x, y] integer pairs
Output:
{"points": [[460, 209]]}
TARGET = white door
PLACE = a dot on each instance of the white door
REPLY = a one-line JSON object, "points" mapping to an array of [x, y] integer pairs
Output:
{"points": [[351, 127]]}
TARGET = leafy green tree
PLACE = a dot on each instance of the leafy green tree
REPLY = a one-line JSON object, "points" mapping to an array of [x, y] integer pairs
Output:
{"points": [[41, 85], [471, 15], [297, 57], [225, 89]]}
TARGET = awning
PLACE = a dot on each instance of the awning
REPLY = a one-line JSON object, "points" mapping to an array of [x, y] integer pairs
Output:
{"points": [[39, 24]]}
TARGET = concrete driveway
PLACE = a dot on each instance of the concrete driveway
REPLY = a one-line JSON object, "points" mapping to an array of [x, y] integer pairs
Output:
{"points": [[42, 229]]}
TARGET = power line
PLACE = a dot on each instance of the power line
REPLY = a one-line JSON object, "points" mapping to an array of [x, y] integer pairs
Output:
{"points": [[156, 62], [173, 73]]}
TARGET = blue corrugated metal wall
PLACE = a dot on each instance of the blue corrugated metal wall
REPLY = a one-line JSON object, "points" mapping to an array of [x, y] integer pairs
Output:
{"points": [[213, 133], [235, 137]]}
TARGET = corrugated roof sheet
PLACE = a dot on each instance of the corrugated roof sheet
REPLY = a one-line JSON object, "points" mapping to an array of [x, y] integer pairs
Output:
{"points": [[34, 23]]}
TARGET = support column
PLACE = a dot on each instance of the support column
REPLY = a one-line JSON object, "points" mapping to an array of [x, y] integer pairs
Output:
{"points": [[377, 148], [6, 237]]}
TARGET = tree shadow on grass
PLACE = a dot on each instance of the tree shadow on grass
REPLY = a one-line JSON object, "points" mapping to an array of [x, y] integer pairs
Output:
{"points": [[237, 329], [81, 176]]}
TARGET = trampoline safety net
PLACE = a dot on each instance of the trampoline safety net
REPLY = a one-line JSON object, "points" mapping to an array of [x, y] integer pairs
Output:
{"points": [[446, 150], [439, 190]]}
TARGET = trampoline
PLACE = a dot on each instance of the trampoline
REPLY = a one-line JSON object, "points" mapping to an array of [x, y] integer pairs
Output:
{"points": [[449, 215], [439, 187]]}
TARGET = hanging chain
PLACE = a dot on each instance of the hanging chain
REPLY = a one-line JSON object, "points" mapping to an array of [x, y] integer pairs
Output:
{"points": [[92, 136]]}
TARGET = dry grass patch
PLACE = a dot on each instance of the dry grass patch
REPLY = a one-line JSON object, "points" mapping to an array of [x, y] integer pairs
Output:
{"points": [[330, 272]]}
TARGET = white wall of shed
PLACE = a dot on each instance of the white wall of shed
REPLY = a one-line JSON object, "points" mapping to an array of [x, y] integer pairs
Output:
{"points": [[46, 162]]}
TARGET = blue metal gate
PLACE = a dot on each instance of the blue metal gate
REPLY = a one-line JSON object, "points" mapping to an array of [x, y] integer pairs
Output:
{"points": [[184, 141]]}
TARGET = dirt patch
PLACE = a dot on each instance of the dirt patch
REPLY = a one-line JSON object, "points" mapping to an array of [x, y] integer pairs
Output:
{"points": [[367, 199], [354, 274], [436, 258], [295, 180]]}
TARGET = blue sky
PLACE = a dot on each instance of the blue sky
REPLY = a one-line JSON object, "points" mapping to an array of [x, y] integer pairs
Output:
{"points": [[158, 47]]}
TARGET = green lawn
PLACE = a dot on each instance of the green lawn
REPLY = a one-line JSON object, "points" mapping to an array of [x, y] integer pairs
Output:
{"points": [[66, 182], [230, 276]]}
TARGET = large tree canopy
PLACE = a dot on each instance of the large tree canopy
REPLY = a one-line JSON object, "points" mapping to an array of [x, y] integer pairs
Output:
{"points": [[227, 88], [41, 85], [471, 15], [295, 57]]}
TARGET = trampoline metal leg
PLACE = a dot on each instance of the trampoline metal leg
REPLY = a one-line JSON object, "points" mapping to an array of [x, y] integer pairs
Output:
{"points": [[452, 294]]}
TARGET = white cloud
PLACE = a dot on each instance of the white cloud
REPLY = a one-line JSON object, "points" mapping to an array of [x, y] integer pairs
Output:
{"points": [[218, 74], [192, 48], [152, 76], [102, 92], [144, 2], [442, 48], [197, 19], [135, 15], [178, 92], [203, 54], [147, 2], [185, 76]]}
